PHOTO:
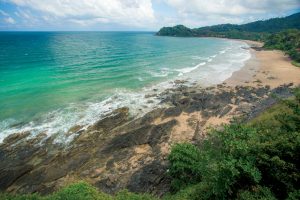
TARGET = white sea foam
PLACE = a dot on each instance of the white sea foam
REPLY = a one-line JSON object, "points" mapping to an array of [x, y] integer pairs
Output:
{"points": [[58, 122], [187, 69], [162, 73], [200, 64]]}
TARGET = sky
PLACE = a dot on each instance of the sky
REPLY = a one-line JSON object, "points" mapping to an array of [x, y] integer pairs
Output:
{"points": [[135, 15]]}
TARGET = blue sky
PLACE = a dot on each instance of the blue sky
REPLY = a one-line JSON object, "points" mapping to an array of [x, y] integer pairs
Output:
{"points": [[135, 15]]}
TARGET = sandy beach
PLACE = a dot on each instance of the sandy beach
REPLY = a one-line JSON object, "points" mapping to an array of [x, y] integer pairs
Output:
{"points": [[120, 151], [156, 100], [266, 67]]}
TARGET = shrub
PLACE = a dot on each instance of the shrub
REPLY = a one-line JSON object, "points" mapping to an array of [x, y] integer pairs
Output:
{"points": [[184, 165], [259, 160], [81, 190], [258, 193], [125, 195], [5, 196], [294, 195], [229, 163], [193, 192]]}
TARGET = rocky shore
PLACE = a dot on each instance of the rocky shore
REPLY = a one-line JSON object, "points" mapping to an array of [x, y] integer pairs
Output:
{"points": [[120, 151]]}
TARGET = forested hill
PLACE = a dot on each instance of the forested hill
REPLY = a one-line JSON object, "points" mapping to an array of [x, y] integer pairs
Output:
{"points": [[277, 33], [254, 30]]}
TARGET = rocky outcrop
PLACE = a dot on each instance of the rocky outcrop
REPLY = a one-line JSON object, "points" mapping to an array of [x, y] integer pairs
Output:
{"points": [[120, 151]]}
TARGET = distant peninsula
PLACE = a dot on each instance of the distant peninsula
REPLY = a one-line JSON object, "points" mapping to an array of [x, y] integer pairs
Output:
{"points": [[253, 31], [277, 33]]}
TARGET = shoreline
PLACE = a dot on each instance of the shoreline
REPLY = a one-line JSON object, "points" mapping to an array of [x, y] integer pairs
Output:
{"points": [[121, 152], [139, 102], [269, 68], [265, 67]]}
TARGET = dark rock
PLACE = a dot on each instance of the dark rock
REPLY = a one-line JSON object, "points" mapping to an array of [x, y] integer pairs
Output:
{"points": [[184, 102], [197, 134], [150, 95], [244, 108], [74, 129], [283, 91], [132, 138], [109, 185], [149, 134], [37, 139], [160, 133], [150, 116], [276, 94], [172, 112], [246, 93], [180, 81], [13, 138], [152, 178], [225, 97], [193, 107], [182, 88], [117, 118], [226, 110], [10, 175], [262, 91]]}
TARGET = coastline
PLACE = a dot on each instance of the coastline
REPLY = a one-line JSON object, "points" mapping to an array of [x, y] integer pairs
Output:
{"points": [[139, 101], [120, 151], [265, 67]]}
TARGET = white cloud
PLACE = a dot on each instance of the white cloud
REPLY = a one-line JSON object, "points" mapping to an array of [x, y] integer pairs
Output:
{"points": [[9, 20], [129, 12], [233, 7], [145, 14], [197, 13]]}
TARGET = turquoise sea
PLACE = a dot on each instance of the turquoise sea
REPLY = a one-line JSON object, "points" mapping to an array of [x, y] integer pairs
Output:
{"points": [[51, 81]]}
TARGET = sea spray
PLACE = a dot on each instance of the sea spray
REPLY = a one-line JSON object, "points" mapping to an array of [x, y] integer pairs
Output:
{"points": [[56, 86]]}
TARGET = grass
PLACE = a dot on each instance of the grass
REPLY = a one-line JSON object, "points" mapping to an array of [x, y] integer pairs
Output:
{"points": [[267, 119], [296, 63], [79, 191]]}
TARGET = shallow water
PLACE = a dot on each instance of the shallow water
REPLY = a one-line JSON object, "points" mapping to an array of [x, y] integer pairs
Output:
{"points": [[50, 81]]}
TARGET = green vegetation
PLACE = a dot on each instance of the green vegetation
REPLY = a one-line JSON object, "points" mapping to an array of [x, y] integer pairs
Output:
{"points": [[296, 63], [177, 31], [222, 31], [255, 31], [287, 41], [79, 191], [277, 33], [257, 160]]}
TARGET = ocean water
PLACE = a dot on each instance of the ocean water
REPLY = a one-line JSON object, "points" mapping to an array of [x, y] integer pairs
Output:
{"points": [[51, 81]]}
